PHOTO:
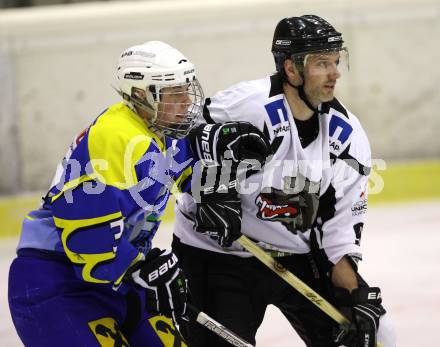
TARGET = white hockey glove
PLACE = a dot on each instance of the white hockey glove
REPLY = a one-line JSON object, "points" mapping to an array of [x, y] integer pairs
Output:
{"points": [[165, 284], [219, 216], [240, 141], [363, 308]]}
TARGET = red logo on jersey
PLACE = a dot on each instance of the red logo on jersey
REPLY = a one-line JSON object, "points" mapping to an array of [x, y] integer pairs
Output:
{"points": [[296, 212], [269, 210], [279, 207]]}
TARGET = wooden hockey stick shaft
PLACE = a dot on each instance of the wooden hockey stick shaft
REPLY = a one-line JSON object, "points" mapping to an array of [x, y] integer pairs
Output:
{"points": [[217, 328], [294, 281]]}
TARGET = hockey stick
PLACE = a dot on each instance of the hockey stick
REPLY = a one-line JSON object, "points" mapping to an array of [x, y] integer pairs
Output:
{"points": [[217, 328], [295, 282]]}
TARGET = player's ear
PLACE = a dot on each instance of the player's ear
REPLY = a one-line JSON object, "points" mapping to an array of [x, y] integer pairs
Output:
{"points": [[291, 70]]}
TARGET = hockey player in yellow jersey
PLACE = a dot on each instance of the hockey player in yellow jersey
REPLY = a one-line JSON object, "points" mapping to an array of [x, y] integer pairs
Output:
{"points": [[85, 273]]}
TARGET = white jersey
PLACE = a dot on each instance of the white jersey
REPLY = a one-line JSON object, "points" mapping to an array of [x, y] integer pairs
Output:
{"points": [[325, 159]]}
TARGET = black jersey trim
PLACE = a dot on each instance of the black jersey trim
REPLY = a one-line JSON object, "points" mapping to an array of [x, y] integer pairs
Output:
{"points": [[206, 113], [335, 104], [351, 161], [326, 211], [275, 145], [276, 85], [354, 163], [266, 131], [308, 130], [327, 203]]}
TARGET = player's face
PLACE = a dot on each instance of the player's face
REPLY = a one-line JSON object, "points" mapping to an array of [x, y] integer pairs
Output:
{"points": [[173, 106], [321, 73]]}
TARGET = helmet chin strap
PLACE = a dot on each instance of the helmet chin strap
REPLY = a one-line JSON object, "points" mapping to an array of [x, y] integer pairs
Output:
{"points": [[302, 95]]}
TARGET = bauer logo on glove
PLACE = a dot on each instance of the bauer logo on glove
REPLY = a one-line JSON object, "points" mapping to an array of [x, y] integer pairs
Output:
{"points": [[164, 282], [163, 268], [240, 141]]}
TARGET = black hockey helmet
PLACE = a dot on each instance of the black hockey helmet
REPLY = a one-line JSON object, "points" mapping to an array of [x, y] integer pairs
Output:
{"points": [[296, 37]]}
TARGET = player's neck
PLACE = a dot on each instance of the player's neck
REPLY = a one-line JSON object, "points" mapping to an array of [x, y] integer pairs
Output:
{"points": [[297, 106]]}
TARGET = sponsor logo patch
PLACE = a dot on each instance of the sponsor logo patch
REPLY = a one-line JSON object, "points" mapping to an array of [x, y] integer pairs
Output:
{"points": [[134, 76], [334, 38], [127, 54], [281, 129], [283, 42], [359, 207]]}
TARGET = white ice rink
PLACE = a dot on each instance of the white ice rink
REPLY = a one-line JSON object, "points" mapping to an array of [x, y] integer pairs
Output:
{"points": [[401, 255]]}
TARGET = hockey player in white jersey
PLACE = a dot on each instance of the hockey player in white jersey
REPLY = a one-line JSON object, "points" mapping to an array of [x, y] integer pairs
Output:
{"points": [[306, 207]]}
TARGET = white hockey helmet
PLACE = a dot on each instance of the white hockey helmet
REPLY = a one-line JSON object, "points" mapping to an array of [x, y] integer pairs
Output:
{"points": [[157, 69]]}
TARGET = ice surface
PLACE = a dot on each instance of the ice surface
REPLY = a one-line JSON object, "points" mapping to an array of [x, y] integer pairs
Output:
{"points": [[401, 255]]}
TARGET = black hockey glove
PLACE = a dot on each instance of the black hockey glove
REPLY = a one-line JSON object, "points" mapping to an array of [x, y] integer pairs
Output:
{"points": [[219, 216], [164, 282], [239, 141], [363, 308]]}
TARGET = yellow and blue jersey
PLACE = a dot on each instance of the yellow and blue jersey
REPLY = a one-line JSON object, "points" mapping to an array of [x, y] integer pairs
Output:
{"points": [[108, 195]]}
